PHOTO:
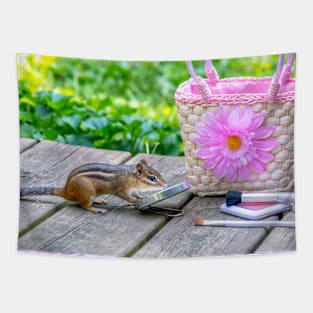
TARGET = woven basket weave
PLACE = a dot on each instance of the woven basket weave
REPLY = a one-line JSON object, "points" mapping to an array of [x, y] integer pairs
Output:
{"points": [[193, 100]]}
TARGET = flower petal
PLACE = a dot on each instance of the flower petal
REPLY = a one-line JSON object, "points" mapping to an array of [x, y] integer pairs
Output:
{"points": [[203, 141], [210, 119], [207, 131], [220, 170], [256, 166], [264, 132], [264, 156], [222, 115], [265, 144], [231, 173], [233, 118], [201, 129], [234, 155], [210, 163], [244, 172], [245, 120], [257, 120], [203, 153], [207, 153]]}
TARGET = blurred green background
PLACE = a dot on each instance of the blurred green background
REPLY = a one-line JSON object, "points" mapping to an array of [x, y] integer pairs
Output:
{"points": [[115, 105]]}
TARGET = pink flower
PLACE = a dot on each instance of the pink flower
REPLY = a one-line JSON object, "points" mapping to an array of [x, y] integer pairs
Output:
{"points": [[233, 143]]}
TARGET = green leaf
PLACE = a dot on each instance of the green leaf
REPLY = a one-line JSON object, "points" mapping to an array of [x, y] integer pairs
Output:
{"points": [[55, 100], [43, 95], [100, 143], [146, 127], [28, 101], [72, 120], [154, 136], [38, 136], [27, 130], [58, 97], [80, 140], [95, 123], [50, 134], [171, 145], [43, 111], [25, 116]]}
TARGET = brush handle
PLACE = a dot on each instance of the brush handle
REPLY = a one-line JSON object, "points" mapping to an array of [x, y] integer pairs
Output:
{"points": [[249, 223], [283, 197]]}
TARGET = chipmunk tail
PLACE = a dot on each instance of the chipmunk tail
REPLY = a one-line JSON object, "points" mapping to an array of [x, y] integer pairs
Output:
{"points": [[33, 191]]}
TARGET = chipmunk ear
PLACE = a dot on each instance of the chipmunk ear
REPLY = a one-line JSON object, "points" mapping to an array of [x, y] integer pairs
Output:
{"points": [[139, 169], [143, 161]]}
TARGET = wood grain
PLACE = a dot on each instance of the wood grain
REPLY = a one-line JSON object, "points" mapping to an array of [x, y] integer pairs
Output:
{"points": [[76, 231], [280, 239], [118, 233], [180, 238], [26, 143], [48, 163], [32, 211]]}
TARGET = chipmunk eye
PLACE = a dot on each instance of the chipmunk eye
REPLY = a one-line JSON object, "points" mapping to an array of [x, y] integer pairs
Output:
{"points": [[152, 178]]}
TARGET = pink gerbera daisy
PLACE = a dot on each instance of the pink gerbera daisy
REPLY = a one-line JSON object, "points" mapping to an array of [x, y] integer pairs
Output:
{"points": [[233, 143]]}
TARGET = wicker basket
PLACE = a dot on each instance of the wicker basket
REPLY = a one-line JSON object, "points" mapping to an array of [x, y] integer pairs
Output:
{"points": [[203, 103]]}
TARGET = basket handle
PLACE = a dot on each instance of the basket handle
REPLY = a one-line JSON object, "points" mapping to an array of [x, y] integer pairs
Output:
{"points": [[202, 86], [282, 76], [211, 72], [287, 70]]}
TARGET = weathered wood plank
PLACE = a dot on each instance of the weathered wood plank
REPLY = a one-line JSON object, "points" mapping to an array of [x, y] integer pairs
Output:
{"points": [[48, 164], [76, 231], [117, 233], [280, 239], [180, 238], [26, 143], [31, 211]]}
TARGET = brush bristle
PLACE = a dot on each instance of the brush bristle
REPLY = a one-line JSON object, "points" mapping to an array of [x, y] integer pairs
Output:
{"points": [[233, 197], [199, 221]]}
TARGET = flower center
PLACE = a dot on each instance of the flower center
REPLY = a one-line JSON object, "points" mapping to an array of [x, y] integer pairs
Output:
{"points": [[233, 142]]}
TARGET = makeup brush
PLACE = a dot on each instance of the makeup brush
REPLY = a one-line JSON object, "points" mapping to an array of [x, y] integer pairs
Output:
{"points": [[235, 197], [228, 223]]}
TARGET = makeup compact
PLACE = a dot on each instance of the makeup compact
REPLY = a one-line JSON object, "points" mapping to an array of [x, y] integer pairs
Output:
{"points": [[147, 203], [255, 210]]}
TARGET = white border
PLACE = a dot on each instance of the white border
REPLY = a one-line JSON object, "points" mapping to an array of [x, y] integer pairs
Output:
{"points": [[158, 30]]}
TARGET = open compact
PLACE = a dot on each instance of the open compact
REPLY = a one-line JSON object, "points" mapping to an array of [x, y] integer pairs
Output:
{"points": [[147, 203]]}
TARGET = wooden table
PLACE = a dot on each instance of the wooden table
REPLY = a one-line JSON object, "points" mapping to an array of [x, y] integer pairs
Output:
{"points": [[53, 225]]}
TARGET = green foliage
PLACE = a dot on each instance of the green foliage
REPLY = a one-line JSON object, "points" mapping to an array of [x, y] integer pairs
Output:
{"points": [[112, 105]]}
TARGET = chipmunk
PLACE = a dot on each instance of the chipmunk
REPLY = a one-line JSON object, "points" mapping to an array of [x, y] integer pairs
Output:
{"points": [[91, 180]]}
